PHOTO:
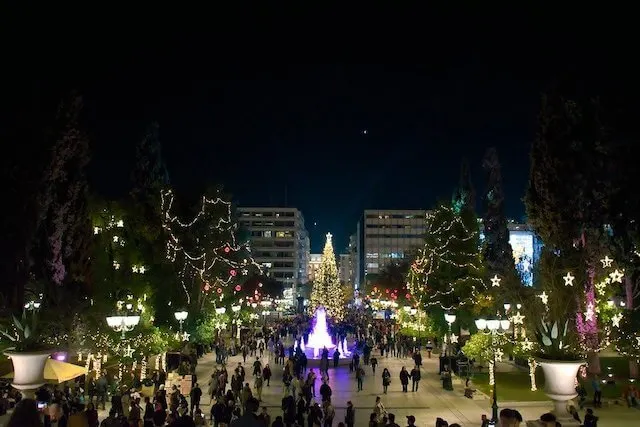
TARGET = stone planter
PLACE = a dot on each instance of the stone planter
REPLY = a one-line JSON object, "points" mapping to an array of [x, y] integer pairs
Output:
{"points": [[28, 370], [559, 384]]}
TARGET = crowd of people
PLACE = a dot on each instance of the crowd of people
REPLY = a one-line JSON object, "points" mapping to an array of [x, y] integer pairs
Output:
{"points": [[236, 391]]}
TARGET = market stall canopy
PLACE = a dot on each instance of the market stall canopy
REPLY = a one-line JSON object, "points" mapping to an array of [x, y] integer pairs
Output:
{"points": [[55, 370]]}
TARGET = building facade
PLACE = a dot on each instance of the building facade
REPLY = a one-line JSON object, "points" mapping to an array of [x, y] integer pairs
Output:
{"points": [[344, 268], [314, 265], [387, 236], [280, 243]]}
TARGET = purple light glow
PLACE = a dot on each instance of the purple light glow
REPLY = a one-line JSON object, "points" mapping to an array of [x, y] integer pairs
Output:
{"points": [[61, 357], [320, 338]]}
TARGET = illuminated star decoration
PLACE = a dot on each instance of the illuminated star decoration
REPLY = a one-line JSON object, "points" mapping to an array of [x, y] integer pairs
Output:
{"points": [[616, 319], [453, 338], [128, 352], [638, 339], [616, 276], [544, 297], [588, 316], [606, 262], [185, 336], [568, 279], [527, 345], [517, 319], [499, 354], [495, 281]]}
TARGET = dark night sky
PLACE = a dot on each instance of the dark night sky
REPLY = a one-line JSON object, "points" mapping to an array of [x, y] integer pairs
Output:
{"points": [[265, 128]]}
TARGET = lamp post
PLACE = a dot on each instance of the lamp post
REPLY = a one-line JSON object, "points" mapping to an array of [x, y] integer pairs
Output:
{"points": [[507, 307], [450, 318], [181, 316], [123, 323], [494, 327]]}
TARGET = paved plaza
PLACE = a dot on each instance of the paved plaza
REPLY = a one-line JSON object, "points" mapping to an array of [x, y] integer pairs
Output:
{"points": [[430, 402]]}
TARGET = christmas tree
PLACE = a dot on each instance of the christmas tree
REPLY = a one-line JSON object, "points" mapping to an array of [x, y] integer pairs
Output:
{"points": [[327, 290], [448, 272]]}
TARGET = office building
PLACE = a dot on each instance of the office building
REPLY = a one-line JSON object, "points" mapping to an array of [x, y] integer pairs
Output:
{"points": [[354, 261], [344, 268], [387, 236], [280, 243], [314, 265]]}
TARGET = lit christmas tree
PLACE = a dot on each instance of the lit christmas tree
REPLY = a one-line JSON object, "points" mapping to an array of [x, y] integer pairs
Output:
{"points": [[448, 272], [327, 290]]}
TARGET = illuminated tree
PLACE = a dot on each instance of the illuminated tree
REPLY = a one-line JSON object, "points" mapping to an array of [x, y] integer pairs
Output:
{"points": [[327, 290], [448, 272], [208, 256]]}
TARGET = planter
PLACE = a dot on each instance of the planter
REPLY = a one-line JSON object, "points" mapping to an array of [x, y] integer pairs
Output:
{"points": [[560, 384], [28, 370]]}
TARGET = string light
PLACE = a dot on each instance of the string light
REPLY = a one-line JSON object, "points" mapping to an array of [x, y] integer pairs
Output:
{"points": [[157, 367], [164, 362], [616, 276], [143, 368], [532, 373], [492, 378], [445, 230], [97, 366], [196, 262]]}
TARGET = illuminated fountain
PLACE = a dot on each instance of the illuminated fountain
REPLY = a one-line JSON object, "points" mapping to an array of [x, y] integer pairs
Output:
{"points": [[320, 338]]}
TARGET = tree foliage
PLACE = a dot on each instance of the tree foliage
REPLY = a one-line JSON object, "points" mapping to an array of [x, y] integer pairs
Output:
{"points": [[448, 270]]}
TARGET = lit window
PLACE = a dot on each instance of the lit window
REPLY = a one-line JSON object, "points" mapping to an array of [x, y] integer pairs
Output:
{"points": [[372, 254], [258, 214], [372, 265], [267, 233]]}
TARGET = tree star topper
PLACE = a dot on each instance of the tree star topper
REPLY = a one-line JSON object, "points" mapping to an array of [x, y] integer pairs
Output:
{"points": [[568, 279], [495, 281], [606, 262]]}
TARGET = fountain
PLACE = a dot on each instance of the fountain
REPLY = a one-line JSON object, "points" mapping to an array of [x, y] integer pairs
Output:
{"points": [[320, 338]]}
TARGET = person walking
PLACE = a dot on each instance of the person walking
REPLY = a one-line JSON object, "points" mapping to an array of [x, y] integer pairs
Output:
{"points": [[386, 379], [266, 373], [359, 376], [257, 384], [374, 363], [379, 410], [404, 379], [415, 378], [329, 413], [195, 395]]}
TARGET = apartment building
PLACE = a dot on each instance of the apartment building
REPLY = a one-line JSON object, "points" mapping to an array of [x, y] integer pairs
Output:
{"points": [[344, 268], [280, 243], [386, 236]]}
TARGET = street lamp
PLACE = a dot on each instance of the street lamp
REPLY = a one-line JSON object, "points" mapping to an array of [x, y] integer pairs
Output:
{"points": [[181, 316], [123, 323], [494, 327], [450, 318]]}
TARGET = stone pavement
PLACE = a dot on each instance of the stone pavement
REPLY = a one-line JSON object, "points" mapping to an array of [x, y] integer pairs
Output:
{"points": [[430, 402]]}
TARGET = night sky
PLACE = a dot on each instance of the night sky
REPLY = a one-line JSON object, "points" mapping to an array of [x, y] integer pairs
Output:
{"points": [[275, 132]]}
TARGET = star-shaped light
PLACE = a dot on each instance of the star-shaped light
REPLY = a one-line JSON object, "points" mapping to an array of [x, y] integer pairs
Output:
{"points": [[185, 336], [527, 345], [638, 339], [245, 271], [495, 281], [544, 297], [606, 262], [568, 279], [616, 319], [128, 352], [453, 338], [588, 316], [517, 319], [134, 268], [499, 354], [616, 276]]}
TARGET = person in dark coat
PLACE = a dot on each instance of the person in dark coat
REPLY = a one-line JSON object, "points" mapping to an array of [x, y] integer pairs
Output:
{"points": [[404, 379], [415, 378]]}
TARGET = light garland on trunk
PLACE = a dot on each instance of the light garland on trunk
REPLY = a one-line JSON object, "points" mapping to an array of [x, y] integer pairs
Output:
{"points": [[532, 373], [157, 368], [492, 369], [87, 364], [97, 366], [164, 361], [143, 368], [80, 357], [120, 368]]}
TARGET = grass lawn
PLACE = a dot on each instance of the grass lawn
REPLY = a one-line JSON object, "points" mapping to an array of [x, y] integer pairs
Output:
{"points": [[511, 386], [516, 386]]}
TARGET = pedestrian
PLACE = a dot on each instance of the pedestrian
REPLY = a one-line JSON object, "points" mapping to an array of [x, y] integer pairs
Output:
{"points": [[350, 417], [195, 394], [429, 348], [379, 410], [257, 384], [359, 376], [266, 373], [386, 379], [597, 391], [257, 367], [404, 379], [374, 363], [329, 413], [415, 378]]}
